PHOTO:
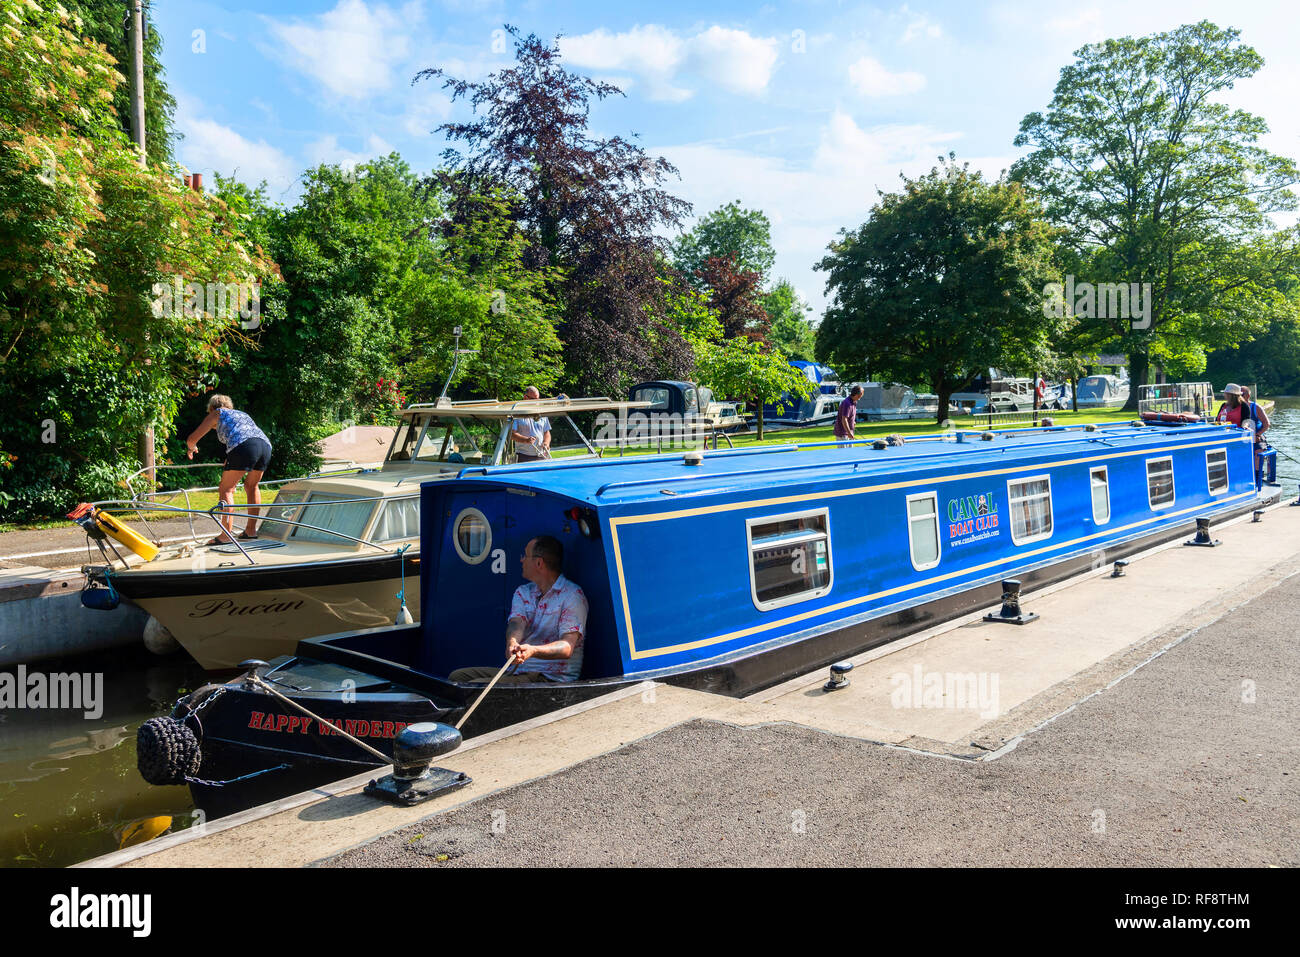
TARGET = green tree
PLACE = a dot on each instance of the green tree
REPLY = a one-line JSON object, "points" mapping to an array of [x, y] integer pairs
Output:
{"points": [[1155, 180], [942, 281], [788, 329], [90, 353], [744, 235], [102, 21]]}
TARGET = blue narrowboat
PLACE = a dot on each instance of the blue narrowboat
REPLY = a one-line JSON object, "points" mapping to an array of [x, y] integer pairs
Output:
{"points": [[726, 571]]}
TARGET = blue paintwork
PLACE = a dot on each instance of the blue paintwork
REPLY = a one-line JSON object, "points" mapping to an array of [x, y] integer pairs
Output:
{"points": [[681, 533]]}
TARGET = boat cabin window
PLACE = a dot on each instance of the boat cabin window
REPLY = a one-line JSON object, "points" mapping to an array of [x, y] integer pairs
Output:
{"points": [[398, 518], [1216, 470], [1099, 479], [923, 529], [284, 507], [1031, 509], [657, 396], [789, 558], [1160, 482], [472, 536], [348, 517]]}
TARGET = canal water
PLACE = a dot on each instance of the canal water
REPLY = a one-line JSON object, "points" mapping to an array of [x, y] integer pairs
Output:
{"points": [[69, 789]]}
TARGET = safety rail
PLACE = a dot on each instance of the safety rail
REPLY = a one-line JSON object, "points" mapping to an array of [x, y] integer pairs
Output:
{"points": [[216, 512]]}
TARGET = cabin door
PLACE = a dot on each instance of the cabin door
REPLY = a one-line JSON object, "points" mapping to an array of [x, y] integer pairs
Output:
{"points": [[478, 571]]}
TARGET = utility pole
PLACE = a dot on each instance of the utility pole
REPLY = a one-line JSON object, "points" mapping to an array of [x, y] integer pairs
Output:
{"points": [[146, 445]]}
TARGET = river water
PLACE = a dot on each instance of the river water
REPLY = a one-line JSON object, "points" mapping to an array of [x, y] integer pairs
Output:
{"points": [[69, 789]]}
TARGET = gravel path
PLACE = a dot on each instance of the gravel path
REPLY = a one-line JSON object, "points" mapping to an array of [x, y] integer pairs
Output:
{"points": [[1175, 766]]}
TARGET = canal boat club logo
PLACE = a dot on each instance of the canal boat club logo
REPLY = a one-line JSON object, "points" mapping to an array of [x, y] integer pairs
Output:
{"points": [[972, 518]]}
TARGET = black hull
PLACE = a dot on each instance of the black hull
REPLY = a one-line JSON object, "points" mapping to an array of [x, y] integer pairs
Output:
{"points": [[231, 749]]}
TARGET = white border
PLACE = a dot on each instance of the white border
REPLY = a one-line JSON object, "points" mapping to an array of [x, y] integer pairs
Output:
{"points": [[1110, 510], [1173, 482], [938, 542], [1051, 527], [1227, 479], [455, 538], [802, 596]]}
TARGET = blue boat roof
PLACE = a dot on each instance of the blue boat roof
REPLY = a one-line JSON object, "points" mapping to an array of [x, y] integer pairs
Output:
{"points": [[634, 478]]}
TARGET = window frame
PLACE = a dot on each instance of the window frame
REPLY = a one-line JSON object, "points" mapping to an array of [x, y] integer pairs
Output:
{"points": [[1011, 505], [384, 505], [798, 597], [1173, 483], [455, 537], [1227, 479], [938, 540], [1104, 470]]}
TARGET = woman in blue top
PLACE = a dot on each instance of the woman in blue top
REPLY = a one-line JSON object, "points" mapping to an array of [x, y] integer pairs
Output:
{"points": [[248, 452]]}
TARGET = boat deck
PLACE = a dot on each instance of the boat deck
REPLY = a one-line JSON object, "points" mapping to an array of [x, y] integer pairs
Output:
{"points": [[1094, 643]]}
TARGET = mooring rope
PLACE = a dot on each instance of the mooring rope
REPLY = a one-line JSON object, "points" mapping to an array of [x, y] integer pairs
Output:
{"points": [[465, 716]]}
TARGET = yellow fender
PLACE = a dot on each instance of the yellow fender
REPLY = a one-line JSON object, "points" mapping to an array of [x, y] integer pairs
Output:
{"points": [[113, 528]]}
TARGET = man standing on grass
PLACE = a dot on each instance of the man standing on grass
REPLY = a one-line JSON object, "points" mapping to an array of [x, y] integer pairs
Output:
{"points": [[847, 416]]}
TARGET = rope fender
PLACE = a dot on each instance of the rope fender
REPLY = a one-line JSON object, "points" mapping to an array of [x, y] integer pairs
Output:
{"points": [[166, 751]]}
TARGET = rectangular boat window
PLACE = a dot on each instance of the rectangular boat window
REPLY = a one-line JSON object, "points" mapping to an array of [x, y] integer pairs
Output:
{"points": [[1160, 482], [348, 517], [789, 558], [1031, 509], [284, 506], [1216, 470], [923, 529], [1100, 481], [399, 518]]}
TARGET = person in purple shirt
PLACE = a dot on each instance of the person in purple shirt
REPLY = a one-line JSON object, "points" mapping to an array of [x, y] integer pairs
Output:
{"points": [[848, 415]]}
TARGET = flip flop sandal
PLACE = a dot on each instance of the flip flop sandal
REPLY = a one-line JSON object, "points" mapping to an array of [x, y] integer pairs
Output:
{"points": [[217, 541], [246, 537]]}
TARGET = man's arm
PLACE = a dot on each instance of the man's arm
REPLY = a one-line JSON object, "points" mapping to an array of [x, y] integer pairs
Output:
{"points": [[563, 648], [515, 628]]}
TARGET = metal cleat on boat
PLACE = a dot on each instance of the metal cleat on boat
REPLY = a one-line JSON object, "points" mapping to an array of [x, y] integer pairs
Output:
{"points": [[413, 780]]}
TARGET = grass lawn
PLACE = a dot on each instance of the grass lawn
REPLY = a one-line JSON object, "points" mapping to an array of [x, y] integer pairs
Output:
{"points": [[198, 500]]}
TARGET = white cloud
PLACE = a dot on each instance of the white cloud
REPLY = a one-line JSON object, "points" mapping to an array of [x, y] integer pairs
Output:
{"points": [[327, 150], [351, 50], [870, 78], [732, 59], [919, 25], [809, 199], [209, 145]]}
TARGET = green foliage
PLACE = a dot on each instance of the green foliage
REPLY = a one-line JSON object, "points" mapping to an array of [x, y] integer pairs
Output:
{"points": [[789, 331], [87, 238], [945, 279], [101, 20], [728, 231], [1156, 180]]}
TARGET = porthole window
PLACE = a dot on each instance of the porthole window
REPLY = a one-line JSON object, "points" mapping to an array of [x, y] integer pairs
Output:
{"points": [[472, 536]]}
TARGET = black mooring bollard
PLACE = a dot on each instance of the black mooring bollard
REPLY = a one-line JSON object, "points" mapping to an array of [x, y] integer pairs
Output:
{"points": [[1010, 612], [1203, 535], [1257, 515], [413, 779], [1120, 565]]}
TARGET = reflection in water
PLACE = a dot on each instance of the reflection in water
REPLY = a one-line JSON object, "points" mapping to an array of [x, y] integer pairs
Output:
{"points": [[69, 789]]}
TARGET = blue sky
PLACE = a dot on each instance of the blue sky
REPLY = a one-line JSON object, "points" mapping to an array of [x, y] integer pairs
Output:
{"points": [[801, 109]]}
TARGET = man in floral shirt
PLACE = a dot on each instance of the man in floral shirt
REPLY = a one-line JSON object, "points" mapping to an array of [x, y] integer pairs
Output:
{"points": [[548, 621]]}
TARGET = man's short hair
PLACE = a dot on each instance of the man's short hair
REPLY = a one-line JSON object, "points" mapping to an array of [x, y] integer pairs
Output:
{"points": [[532, 388], [550, 551], [857, 390]]}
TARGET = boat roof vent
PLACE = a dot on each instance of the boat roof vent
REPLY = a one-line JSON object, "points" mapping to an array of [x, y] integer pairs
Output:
{"points": [[987, 436], [693, 457]]}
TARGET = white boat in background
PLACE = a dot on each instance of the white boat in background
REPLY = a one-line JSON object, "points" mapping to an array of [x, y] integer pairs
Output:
{"points": [[1102, 392]]}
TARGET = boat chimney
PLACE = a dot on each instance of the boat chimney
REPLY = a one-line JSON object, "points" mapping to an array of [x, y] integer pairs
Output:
{"points": [[196, 181]]}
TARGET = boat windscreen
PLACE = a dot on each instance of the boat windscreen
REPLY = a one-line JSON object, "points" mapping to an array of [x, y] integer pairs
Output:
{"points": [[348, 517], [284, 507]]}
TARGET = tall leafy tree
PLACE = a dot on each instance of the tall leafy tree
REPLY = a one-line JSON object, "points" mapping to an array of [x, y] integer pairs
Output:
{"points": [[788, 328], [105, 22], [591, 208], [945, 279], [744, 235], [735, 296], [90, 353], [1157, 181]]}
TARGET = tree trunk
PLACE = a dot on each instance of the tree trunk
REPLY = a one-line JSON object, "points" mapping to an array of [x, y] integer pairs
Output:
{"points": [[1138, 365], [758, 420], [1074, 392], [945, 396]]}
